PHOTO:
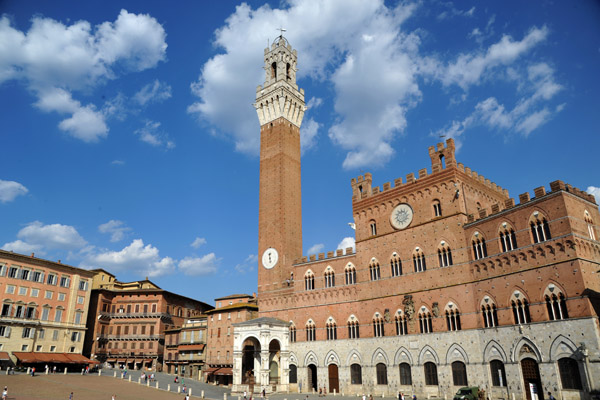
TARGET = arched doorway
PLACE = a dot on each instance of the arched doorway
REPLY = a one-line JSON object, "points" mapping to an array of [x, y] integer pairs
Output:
{"points": [[274, 361], [531, 378], [312, 377], [250, 362], [334, 381]]}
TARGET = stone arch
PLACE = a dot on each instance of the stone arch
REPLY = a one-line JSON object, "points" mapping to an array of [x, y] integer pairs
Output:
{"points": [[311, 358], [456, 353], [493, 351], [428, 354], [379, 355], [293, 359], [332, 358], [251, 336], [529, 350], [354, 357], [403, 355], [562, 347]]}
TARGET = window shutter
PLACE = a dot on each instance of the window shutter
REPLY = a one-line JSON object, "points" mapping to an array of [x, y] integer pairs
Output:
{"points": [[7, 332], [32, 333]]}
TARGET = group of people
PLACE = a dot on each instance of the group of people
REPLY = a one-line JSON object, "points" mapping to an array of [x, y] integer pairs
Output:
{"points": [[401, 396], [145, 377]]}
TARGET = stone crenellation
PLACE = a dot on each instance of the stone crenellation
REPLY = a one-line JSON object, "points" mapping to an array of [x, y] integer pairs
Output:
{"points": [[321, 256], [539, 192]]}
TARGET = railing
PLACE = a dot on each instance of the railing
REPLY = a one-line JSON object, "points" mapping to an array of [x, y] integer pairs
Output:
{"points": [[107, 315], [130, 337]]}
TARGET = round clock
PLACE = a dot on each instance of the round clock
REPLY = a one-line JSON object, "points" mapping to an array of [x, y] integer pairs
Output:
{"points": [[402, 216], [270, 258]]}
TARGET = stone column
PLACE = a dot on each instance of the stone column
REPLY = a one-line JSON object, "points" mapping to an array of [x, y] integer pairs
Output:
{"points": [[264, 367]]}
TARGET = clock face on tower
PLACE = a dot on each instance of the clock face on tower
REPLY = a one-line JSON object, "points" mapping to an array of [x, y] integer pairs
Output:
{"points": [[270, 258], [402, 216]]}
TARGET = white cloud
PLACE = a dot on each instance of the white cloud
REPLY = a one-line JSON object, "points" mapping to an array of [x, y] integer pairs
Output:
{"points": [[19, 246], [37, 236], [137, 257], [347, 242], [117, 162], [308, 134], [593, 190], [454, 12], [314, 102], [198, 242], [151, 134], [247, 265], [197, 266], [153, 93], [468, 69], [55, 60], [315, 249], [365, 33], [115, 228], [9, 190]]}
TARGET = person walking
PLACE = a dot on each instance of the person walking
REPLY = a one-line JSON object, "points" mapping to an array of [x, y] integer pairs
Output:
{"points": [[5, 393], [71, 396], [550, 397], [113, 397]]}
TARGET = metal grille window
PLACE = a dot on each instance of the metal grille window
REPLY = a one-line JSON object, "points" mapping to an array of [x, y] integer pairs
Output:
{"points": [[569, 374], [356, 374], [557, 306], [431, 378], [498, 373], [405, 374], [459, 373], [490, 315], [381, 374]]}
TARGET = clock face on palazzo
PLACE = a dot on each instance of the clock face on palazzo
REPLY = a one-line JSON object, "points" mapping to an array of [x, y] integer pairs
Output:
{"points": [[402, 216], [270, 258]]}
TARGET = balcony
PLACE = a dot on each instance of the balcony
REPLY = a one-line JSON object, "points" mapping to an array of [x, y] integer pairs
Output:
{"points": [[108, 316], [129, 337]]}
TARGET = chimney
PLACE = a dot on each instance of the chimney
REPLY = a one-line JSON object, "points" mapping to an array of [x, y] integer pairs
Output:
{"points": [[32, 255]]}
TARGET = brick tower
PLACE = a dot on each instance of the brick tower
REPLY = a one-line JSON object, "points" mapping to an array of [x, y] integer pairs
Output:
{"points": [[280, 108]]}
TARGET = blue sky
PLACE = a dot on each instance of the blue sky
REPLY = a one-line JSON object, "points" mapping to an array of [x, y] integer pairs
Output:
{"points": [[130, 143]]}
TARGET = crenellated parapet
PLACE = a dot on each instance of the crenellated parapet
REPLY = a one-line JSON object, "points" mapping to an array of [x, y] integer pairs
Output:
{"points": [[321, 256], [525, 198]]}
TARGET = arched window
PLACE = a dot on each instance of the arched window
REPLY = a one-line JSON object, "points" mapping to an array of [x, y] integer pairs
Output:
{"points": [[556, 303], [287, 71], [355, 374], [331, 329], [590, 225], [452, 318], [431, 377], [329, 277], [444, 254], [350, 273], [373, 227], [489, 313], [396, 265], [378, 328], [425, 323], [569, 374], [508, 238], [405, 374], [479, 247], [498, 373], [459, 373], [293, 374], [540, 230], [292, 333], [310, 331], [353, 328], [309, 280], [520, 307], [274, 70], [437, 208], [374, 270], [381, 374], [401, 323], [419, 260]]}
